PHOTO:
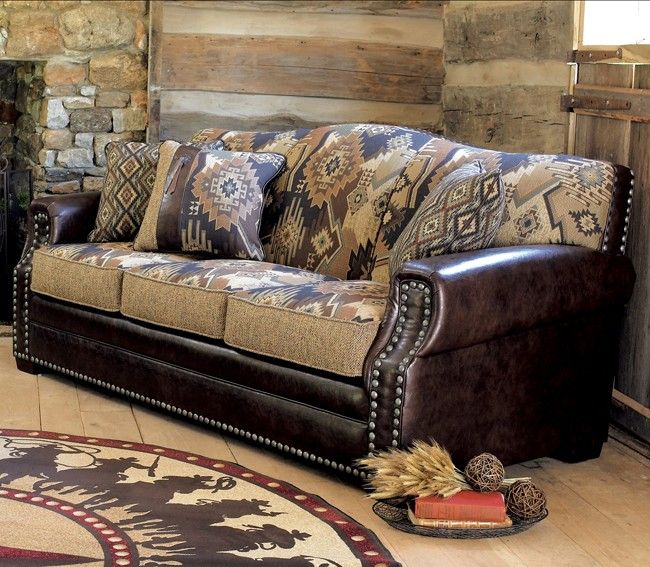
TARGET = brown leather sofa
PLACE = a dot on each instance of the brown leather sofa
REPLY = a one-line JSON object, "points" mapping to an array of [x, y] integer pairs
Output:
{"points": [[510, 349]]}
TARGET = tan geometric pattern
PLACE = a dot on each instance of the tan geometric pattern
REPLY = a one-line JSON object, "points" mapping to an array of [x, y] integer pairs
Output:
{"points": [[309, 219], [550, 199], [89, 274], [324, 212], [222, 202], [191, 296], [130, 175], [462, 213], [329, 325]]}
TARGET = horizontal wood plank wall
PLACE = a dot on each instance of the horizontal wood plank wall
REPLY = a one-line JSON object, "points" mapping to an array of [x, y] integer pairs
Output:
{"points": [[279, 64], [505, 72]]}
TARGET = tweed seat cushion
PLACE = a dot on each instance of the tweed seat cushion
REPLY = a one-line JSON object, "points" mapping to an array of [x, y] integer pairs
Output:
{"points": [[329, 325], [192, 296], [89, 274]]}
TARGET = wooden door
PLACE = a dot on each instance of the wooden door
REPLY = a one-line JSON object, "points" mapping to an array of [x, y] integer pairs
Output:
{"points": [[611, 102]]}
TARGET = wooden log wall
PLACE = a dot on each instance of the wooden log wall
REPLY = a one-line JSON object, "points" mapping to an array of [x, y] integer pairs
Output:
{"points": [[505, 72], [284, 64]]}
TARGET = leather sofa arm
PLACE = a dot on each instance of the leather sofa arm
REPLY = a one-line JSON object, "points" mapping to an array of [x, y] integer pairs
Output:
{"points": [[71, 217], [480, 295]]}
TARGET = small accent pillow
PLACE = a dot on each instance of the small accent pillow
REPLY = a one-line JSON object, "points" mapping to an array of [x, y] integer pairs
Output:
{"points": [[462, 213], [208, 201], [130, 175]]}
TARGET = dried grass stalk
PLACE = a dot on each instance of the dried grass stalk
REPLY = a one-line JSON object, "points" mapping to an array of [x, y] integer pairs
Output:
{"points": [[425, 469]]}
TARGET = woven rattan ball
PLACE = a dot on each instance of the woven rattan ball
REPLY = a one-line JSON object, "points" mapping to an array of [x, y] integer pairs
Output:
{"points": [[524, 500], [484, 473]]}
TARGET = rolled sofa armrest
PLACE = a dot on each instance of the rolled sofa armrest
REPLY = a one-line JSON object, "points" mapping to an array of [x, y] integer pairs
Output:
{"points": [[71, 217], [480, 295]]}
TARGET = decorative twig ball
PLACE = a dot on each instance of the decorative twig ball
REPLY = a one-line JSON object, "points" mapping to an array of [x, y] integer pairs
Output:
{"points": [[524, 500], [484, 473]]}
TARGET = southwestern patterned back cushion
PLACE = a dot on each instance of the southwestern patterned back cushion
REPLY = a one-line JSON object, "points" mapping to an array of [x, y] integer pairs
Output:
{"points": [[463, 212], [550, 199], [208, 201], [130, 175], [314, 219], [324, 213]]}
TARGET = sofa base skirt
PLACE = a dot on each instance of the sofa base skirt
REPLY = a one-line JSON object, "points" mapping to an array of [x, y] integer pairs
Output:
{"points": [[319, 436], [541, 392]]}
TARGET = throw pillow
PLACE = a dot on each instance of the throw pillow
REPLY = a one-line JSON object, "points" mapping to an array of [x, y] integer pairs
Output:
{"points": [[130, 175], [462, 213], [208, 201]]}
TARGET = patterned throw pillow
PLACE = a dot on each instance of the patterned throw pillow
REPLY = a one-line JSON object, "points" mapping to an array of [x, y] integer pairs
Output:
{"points": [[208, 201], [130, 175], [463, 213]]}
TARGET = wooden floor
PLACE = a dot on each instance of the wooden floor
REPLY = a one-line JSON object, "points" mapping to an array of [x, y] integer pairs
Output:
{"points": [[599, 510]]}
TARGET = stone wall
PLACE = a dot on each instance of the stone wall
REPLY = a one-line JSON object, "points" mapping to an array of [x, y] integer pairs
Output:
{"points": [[505, 72], [84, 85]]}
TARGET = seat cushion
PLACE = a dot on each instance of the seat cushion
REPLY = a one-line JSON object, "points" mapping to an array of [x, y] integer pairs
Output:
{"points": [[89, 274], [192, 296], [329, 325]]}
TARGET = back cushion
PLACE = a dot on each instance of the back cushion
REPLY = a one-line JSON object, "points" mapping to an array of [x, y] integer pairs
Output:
{"points": [[324, 213], [550, 199]]}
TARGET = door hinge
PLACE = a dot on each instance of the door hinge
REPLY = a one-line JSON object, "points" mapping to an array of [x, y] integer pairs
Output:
{"points": [[593, 55], [569, 102]]}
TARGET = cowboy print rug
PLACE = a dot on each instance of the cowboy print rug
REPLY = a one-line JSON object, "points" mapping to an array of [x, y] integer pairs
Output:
{"points": [[67, 500]]}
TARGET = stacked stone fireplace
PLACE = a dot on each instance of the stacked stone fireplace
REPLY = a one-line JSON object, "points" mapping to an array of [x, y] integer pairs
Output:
{"points": [[73, 77]]}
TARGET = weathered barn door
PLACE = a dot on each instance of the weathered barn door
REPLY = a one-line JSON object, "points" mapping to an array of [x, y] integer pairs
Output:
{"points": [[611, 102]]}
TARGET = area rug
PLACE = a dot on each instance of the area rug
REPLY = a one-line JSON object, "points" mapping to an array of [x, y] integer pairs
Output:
{"points": [[67, 500]]}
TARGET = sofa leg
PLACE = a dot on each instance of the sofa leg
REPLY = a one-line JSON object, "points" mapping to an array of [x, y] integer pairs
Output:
{"points": [[29, 367], [582, 451]]}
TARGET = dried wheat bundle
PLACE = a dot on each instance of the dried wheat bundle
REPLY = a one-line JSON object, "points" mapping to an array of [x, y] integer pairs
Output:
{"points": [[424, 469]]}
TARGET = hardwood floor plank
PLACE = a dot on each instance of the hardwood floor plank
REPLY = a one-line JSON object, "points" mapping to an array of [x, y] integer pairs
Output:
{"points": [[19, 403], [275, 465], [59, 405], [615, 484], [95, 401], [159, 429], [598, 509], [111, 425], [594, 532]]}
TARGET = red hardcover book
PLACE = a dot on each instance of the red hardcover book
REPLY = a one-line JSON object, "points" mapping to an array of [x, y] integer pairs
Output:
{"points": [[465, 505]]}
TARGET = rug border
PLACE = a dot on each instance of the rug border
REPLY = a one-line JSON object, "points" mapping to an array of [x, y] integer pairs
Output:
{"points": [[311, 502]]}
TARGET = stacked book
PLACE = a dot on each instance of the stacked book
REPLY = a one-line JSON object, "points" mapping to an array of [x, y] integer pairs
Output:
{"points": [[465, 510]]}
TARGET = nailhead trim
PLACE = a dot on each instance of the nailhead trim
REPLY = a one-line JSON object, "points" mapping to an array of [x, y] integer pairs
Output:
{"points": [[626, 220], [201, 419], [41, 237], [626, 224], [406, 288]]}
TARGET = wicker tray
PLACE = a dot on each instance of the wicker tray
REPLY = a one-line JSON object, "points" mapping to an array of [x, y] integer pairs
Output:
{"points": [[396, 514]]}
